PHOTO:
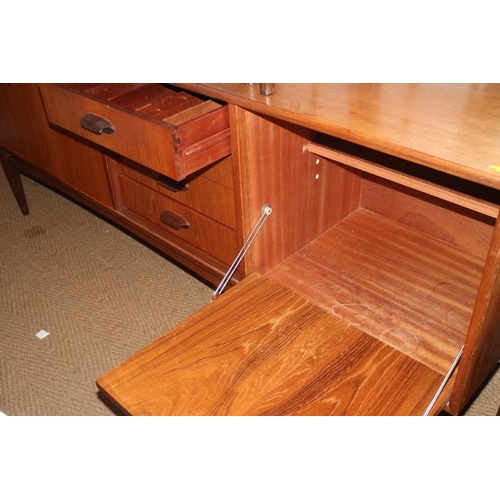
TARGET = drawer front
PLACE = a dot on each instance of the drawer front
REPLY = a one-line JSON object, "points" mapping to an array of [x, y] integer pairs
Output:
{"points": [[170, 132], [161, 214], [199, 191]]}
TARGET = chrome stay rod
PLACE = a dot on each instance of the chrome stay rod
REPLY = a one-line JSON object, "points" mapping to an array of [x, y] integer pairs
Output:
{"points": [[265, 213], [441, 387]]}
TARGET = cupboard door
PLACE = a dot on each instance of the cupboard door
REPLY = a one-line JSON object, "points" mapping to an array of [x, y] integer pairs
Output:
{"points": [[260, 349]]}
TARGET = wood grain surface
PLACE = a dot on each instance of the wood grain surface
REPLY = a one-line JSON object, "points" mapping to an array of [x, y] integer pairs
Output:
{"points": [[262, 350], [459, 227], [435, 125], [276, 168], [405, 288]]}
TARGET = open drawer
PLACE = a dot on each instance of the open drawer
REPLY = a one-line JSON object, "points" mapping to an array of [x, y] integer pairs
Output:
{"points": [[172, 132], [261, 349]]}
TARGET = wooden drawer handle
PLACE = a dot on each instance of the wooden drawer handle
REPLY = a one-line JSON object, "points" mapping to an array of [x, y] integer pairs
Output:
{"points": [[96, 124], [172, 185], [174, 220]]}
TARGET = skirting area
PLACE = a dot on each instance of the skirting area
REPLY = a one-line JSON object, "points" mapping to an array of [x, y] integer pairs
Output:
{"points": [[99, 293]]}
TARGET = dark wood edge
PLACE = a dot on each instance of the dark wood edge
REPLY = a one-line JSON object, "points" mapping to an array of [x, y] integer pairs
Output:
{"points": [[15, 182]]}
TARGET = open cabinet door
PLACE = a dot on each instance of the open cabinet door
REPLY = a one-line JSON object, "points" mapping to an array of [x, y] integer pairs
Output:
{"points": [[482, 345], [260, 349]]}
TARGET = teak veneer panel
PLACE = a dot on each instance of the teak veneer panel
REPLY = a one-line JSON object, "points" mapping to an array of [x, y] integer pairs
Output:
{"points": [[452, 128], [275, 167], [260, 349], [458, 226], [412, 291]]}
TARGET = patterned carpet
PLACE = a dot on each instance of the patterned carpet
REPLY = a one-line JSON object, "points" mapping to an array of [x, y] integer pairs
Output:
{"points": [[100, 294]]}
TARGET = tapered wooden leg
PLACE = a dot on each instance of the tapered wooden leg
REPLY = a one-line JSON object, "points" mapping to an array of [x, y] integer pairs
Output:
{"points": [[15, 182]]}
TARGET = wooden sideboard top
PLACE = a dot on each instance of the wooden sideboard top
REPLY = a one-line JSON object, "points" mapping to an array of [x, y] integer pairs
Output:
{"points": [[454, 128]]}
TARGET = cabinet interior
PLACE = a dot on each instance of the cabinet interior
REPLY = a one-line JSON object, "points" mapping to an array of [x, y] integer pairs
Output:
{"points": [[405, 263]]}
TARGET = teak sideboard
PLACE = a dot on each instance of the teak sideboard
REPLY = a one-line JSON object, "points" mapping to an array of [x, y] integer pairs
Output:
{"points": [[373, 286]]}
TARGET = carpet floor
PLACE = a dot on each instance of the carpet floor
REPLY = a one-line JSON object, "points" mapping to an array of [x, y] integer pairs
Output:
{"points": [[100, 294]]}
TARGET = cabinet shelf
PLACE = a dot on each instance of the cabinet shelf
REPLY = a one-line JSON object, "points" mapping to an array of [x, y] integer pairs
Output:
{"points": [[466, 194], [403, 287]]}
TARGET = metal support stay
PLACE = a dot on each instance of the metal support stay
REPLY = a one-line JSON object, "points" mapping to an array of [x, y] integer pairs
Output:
{"points": [[265, 213], [441, 387]]}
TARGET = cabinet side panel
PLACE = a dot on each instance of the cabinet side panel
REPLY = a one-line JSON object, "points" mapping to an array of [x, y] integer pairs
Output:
{"points": [[307, 193], [21, 114], [25, 131], [482, 345]]}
